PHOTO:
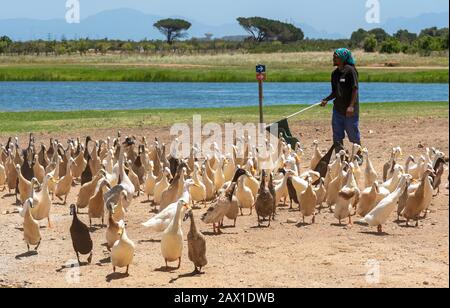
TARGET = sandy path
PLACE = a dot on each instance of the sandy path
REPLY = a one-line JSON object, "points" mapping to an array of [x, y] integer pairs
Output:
{"points": [[284, 255]]}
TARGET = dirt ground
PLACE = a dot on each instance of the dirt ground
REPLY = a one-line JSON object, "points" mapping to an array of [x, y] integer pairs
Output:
{"points": [[284, 255]]}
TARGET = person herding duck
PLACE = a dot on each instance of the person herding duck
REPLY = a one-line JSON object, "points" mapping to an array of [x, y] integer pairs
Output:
{"points": [[345, 93]]}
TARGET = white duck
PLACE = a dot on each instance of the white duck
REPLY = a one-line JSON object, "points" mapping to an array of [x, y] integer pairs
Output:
{"points": [[335, 186], [370, 175], [198, 193], [347, 198], [244, 195], [150, 182], [161, 186], [172, 238], [31, 230], [308, 201], [368, 200], [219, 177], [42, 202], [124, 180], [392, 183], [317, 156], [122, 253], [161, 221], [380, 214]]}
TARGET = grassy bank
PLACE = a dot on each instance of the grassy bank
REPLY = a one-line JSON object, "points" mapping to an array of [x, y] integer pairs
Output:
{"points": [[282, 67], [43, 121], [136, 74]]}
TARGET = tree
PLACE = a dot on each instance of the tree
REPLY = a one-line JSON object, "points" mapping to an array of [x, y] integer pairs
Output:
{"points": [[255, 26], [405, 36], [433, 32], [357, 38], [263, 29], [380, 34], [370, 43], [82, 46], [6, 39], [391, 45], [173, 29], [3, 47]]}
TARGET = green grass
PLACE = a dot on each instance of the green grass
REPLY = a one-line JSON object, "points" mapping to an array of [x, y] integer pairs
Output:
{"points": [[237, 74], [51, 122], [238, 67]]}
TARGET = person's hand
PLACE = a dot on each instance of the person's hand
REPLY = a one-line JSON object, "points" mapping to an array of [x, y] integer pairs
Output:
{"points": [[323, 103], [350, 112]]}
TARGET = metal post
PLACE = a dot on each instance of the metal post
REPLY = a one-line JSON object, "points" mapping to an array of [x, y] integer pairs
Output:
{"points": [[261, 117]]}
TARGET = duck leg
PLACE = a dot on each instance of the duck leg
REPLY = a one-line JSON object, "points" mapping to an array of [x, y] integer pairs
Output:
{"points": [[167, 266], [313, 221], [114, 269], [28, 247], [90, 258], [65, 200], [39, 244], [380, 229], [78, 258], [126, 273], [179, 262]]}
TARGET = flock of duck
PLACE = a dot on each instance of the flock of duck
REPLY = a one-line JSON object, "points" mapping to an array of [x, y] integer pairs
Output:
{"points": [[113, 172]]}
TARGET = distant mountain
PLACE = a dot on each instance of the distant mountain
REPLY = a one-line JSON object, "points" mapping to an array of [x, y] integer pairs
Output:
{"points": [[313, 33], [130, 24], [416, 24], [125, 24]]}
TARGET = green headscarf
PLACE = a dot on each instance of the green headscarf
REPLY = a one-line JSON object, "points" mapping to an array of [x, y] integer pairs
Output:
{"points": [[345, 55]]}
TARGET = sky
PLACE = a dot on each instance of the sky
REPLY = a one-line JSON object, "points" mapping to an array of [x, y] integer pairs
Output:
{"points": [[319, 14]]}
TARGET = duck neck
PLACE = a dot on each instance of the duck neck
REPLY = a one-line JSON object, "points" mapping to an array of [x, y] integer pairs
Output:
{"points": [[241, 183], [45, 185], [230, 192], [423, 184], [121, 169], [177, 218], [186, 194], [193, 228]]}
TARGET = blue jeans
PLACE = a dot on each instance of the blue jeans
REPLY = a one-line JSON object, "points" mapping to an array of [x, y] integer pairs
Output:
{"points": [[341, 125]]}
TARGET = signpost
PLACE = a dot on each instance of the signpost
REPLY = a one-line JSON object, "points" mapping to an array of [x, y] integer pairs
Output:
{"points": [[261, 77]]}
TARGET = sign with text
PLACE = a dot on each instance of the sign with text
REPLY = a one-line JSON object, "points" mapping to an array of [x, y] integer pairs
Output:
{"points": [[261, 72]]}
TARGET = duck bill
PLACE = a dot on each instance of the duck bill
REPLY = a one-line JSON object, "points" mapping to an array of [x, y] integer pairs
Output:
{"points": [[187, 214]]}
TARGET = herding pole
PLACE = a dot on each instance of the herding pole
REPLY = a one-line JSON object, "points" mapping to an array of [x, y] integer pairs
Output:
{"points": [[261, 116]]}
